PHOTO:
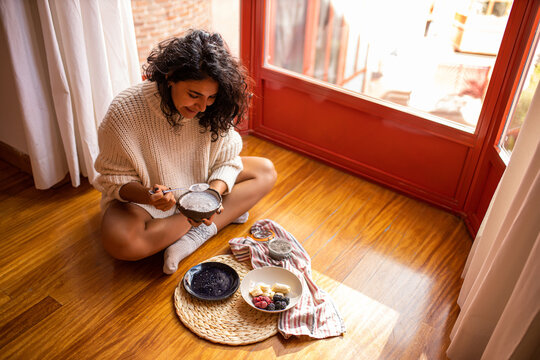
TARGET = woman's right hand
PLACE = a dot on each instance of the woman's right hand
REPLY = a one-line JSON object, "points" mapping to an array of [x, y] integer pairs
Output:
{"points": [[162, 201]]}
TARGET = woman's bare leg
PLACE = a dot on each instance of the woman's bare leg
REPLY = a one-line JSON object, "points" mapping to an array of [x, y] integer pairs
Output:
{"points": [[129, 233]]}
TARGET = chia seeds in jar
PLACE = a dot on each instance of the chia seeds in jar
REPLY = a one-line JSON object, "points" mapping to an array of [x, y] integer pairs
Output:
{"points": [[260, 234], [279, 249]]}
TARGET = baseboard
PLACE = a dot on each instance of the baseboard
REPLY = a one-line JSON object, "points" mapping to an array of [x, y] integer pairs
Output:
{"points": [[15, 157]]}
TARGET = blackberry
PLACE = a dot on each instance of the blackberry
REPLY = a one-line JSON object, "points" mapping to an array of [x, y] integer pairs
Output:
{"points": [[287, 300], [280, 305], [271, 306], [278, 297]]}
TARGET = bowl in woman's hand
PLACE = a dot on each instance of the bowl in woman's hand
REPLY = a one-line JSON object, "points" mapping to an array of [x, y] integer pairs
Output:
{"points": [[199, 205]]}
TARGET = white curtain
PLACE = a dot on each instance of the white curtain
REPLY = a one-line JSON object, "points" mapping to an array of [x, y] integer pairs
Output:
{"points": [[70, 57], [500, 296]]}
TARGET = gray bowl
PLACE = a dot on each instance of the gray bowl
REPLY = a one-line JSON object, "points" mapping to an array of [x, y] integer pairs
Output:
{"points": [[198, 216]]}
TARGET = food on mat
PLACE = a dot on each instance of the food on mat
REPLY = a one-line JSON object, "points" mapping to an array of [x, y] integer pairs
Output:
{"points": [[262, 302], [199, 201], [266, 297], [281, 288], [256, 291], [279, 297], [261, 289]]}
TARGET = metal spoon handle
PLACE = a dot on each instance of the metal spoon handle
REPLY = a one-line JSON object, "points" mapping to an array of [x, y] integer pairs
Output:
{"points": [[194, 187], [152, 192]]}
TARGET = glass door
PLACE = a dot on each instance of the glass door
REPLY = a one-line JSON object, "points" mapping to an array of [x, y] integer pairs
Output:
{"points": [[435, 57]]}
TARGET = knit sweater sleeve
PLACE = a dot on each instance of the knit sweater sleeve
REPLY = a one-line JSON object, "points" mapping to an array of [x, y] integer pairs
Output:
{"points": [[226, 163], [113, 163]]}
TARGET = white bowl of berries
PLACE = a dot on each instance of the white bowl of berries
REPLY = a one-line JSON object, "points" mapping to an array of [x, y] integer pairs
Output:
{"points": [[271, 289]]}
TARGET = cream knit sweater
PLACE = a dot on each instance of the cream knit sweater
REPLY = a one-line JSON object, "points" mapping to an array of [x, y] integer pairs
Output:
{"points": [[138, 144]]}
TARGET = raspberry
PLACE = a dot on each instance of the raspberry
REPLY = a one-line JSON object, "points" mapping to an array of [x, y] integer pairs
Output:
{"points": [[264, 304], [258, 304]]}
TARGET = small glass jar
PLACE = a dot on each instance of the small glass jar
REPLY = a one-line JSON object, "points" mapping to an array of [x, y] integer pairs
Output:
{"points": [[260, 234], [279, 249]]}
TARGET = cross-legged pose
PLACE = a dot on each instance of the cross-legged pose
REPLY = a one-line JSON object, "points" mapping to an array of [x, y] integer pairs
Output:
{"points": [[173, 130]]}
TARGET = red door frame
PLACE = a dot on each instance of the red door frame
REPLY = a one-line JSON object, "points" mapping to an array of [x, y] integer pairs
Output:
{"points": [[459, 194], [490, 165]]}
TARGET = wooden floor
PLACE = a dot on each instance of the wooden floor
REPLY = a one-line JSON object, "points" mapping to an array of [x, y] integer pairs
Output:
{"points": [[391, 263]]}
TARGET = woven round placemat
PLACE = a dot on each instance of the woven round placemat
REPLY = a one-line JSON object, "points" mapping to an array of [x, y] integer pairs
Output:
{"points": [[230, 321]]}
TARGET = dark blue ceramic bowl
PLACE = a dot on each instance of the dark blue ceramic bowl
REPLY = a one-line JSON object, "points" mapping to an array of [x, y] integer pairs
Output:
{"points": [[211, 281]]}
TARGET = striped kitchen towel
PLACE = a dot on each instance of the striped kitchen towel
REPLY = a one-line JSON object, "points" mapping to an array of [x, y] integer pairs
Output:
{"points": [[315, 314]]}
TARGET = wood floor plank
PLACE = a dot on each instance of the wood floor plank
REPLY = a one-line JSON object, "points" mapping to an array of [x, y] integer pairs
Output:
{"points": [[3, 299], [314, 202], [351, 245], [12, 329]]}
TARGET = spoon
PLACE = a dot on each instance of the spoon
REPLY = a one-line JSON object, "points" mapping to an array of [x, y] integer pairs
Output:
{"points": [[194, 187]]}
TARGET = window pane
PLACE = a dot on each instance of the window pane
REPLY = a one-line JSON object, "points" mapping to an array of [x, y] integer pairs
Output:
{"points": [[434, 56], [522, 99], [225, 20]]}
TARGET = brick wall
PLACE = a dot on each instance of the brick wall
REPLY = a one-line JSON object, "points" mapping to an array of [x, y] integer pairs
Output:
{"points": [[157, 20]]}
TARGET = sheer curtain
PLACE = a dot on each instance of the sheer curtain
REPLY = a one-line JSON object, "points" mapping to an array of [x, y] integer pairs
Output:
{"points": [[70, 57], [500, 296]]}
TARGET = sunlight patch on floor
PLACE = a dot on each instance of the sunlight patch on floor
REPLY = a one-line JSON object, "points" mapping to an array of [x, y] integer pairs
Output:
{"points": [[369, 325]]}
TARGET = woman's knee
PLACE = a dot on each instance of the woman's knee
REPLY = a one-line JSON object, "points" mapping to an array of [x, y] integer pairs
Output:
{"points": [[259, 170], [121, 239], [122, 230], [122, 245], [267, 172]]}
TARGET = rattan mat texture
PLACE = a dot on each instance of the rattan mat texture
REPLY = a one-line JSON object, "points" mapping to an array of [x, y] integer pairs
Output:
{"points": [[230, 321]]}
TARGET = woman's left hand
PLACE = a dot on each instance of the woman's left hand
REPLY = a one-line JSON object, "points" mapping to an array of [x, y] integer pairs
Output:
{"points": [[206, 221]]}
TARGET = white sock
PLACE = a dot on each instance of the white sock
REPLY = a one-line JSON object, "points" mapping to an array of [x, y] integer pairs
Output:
{"points": [[242, 218], [186, 245]]}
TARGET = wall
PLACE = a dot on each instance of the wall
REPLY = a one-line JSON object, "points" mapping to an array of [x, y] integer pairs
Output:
{"points": [[157, 20]]}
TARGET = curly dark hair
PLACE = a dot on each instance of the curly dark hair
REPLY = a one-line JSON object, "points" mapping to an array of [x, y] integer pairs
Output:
{"points": [[199, 55]]}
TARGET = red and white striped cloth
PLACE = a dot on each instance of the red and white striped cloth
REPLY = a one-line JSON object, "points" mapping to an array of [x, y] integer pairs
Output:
{"points": [[315, 314]]}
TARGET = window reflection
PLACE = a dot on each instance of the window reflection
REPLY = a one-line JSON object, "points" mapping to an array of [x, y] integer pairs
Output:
{"points": [[435, 56]]}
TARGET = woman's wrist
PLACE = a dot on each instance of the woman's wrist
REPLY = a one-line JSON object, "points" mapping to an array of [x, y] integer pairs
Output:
{"points": [[219, 185]]}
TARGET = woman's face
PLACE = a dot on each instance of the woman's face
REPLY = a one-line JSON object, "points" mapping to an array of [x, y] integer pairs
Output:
{"points": [[191, 97]]}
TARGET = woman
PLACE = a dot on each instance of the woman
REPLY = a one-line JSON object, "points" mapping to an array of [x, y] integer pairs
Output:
{"points": [[174, 130]]}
